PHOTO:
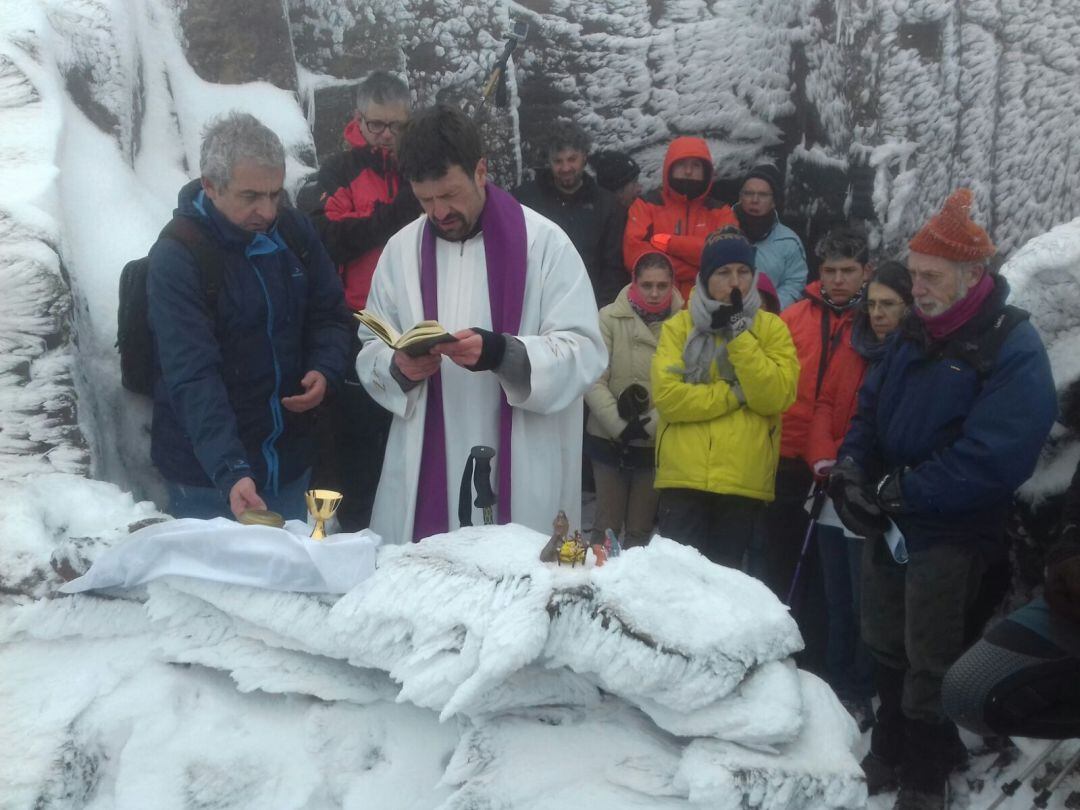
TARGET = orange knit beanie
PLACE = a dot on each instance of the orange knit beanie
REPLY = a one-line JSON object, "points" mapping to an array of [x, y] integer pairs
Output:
{"points": [[952, 235]]}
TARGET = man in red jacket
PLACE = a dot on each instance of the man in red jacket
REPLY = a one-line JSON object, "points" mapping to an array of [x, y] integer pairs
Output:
{"points": [[820, 326], [364, 203], [676, 218]]}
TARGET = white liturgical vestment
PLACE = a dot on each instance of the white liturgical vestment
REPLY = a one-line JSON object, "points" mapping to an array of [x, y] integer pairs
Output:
{"points": [[561, 335]]}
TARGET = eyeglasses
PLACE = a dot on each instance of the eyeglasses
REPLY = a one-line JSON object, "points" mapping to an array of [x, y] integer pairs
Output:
{"points": [[379, 127], [884, 306], [755, 195]]}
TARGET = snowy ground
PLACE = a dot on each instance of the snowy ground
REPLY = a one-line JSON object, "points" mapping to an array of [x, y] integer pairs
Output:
{"points": [[464, 674]]}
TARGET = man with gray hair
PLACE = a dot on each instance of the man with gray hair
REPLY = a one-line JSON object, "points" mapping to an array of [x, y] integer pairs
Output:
{"points": [[364, 203], [949, 423], [571, 198], [249, 332]]}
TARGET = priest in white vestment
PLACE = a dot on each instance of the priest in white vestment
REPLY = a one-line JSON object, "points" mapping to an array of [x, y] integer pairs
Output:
{"points": [[510, 286]]}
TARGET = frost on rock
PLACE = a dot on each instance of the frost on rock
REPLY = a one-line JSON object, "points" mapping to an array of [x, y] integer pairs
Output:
{"points": [[1044, 276], [595, 683], [816, 770], [451, 617]]}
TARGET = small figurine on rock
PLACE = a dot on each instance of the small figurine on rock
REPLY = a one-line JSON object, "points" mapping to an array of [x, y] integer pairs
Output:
{"points": [[561, 526], [573, 550]]}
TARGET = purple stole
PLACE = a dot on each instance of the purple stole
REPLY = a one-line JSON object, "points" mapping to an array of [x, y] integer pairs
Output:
{"points": [[505, 251]]}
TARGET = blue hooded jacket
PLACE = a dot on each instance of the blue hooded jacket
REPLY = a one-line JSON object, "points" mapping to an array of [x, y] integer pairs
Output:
{"points": [[219, 381], [966, 440]]}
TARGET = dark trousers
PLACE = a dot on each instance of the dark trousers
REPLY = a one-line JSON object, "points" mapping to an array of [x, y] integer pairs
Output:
{"points": [[914, 616], [625, 503], [784, 523], [721, 527], [353, 429], [848, 661]]}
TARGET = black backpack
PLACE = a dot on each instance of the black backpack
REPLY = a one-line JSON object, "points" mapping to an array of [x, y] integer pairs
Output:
{"points": [[133, 336]]}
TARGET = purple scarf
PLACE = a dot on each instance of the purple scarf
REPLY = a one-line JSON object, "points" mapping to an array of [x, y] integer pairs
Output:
{"points": [[943, 325], [502, 223]]}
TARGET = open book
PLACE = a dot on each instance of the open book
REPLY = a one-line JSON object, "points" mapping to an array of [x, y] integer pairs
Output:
{"points": [[415, 342]]}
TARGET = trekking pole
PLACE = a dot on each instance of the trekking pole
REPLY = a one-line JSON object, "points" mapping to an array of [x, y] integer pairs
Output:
{"points": [[485, 496], [815, 512], [1009, 788], [477, 474], [1043, 799]]}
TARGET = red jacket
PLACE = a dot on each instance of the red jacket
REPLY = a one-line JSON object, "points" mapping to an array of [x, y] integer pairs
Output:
{"points": [[364, 204], [834, 409], [688, 221], [817, 331]]}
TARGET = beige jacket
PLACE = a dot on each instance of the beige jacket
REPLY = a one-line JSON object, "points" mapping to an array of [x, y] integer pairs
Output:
{"points": [[631, 344]]}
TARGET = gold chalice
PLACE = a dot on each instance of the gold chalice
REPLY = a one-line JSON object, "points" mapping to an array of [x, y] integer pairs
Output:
{"points": [[322, 503]]}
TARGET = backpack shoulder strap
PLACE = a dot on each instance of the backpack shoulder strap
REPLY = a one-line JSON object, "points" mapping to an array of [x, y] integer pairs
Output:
{"points": [[1008, 319], [983, 353], [208, 257], [295, 238]]}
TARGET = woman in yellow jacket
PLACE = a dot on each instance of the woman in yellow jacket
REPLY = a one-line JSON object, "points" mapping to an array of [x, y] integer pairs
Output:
{"points": [[724, 371], [622, 421]]}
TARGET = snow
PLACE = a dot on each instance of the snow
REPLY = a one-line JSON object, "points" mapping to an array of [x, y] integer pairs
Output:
{"points": [[502, 666], [464, 673], [1044, 276]]}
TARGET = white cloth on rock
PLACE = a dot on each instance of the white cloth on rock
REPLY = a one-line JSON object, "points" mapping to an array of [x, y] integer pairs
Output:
{"points": [[561, 334], [222, 550]]}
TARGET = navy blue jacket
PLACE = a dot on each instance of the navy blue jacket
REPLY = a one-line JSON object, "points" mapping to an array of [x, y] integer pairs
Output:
{"points": [[219, 381], [968, 439]]}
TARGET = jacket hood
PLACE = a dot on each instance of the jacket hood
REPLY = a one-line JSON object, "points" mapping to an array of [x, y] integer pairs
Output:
{"points": [[193, 202], [353, 136], [686, 147], [620, 307]]}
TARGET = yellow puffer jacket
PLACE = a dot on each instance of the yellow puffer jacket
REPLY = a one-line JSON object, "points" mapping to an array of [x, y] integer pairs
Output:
{"points": [[631, 344], [707, 440]]}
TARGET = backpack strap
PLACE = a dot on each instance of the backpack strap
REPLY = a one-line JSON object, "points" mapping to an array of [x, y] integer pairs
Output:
{"points": [[982, 353], [294, 237], [208, 258]]}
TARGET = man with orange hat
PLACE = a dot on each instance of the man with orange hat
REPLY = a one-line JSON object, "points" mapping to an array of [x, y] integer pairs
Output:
{"points": [[949, 424]]}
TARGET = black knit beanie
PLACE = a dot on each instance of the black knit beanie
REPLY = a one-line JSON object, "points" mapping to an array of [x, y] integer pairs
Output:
{"points": [[614, 169]]}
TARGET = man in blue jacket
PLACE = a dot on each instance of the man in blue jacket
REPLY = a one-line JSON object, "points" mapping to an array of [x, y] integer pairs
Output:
{"points": [[949, 424], [779, 251], [234, 387]]}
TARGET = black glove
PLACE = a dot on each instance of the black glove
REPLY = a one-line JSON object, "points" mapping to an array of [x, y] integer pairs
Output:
{"points": [[635, 429], [1062, 592], [844, 473], [890, 492], [491, 354], [857, 509], [731, 316], [633, 401]]}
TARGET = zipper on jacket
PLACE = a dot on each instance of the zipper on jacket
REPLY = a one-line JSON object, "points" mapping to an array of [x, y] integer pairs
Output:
{"points": [[659, 441], [268, 449]]}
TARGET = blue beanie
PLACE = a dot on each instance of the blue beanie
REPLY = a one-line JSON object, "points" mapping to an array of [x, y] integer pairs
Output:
{"points": [[725, 246]]}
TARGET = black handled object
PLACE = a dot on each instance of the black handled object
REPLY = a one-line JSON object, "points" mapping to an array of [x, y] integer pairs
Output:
{"points": [[477, 474], [497, 77]]}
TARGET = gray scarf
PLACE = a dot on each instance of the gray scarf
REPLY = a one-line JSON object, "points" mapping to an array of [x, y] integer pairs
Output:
{"points": [[702, 349]]}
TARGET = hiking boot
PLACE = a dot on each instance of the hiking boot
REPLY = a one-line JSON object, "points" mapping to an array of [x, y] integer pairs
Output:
{"points": [[912, 798], [881, 775]]}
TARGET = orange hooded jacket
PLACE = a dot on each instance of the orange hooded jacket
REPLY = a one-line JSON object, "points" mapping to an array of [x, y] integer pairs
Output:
{"points": [[819, 333], [687, 221]]}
